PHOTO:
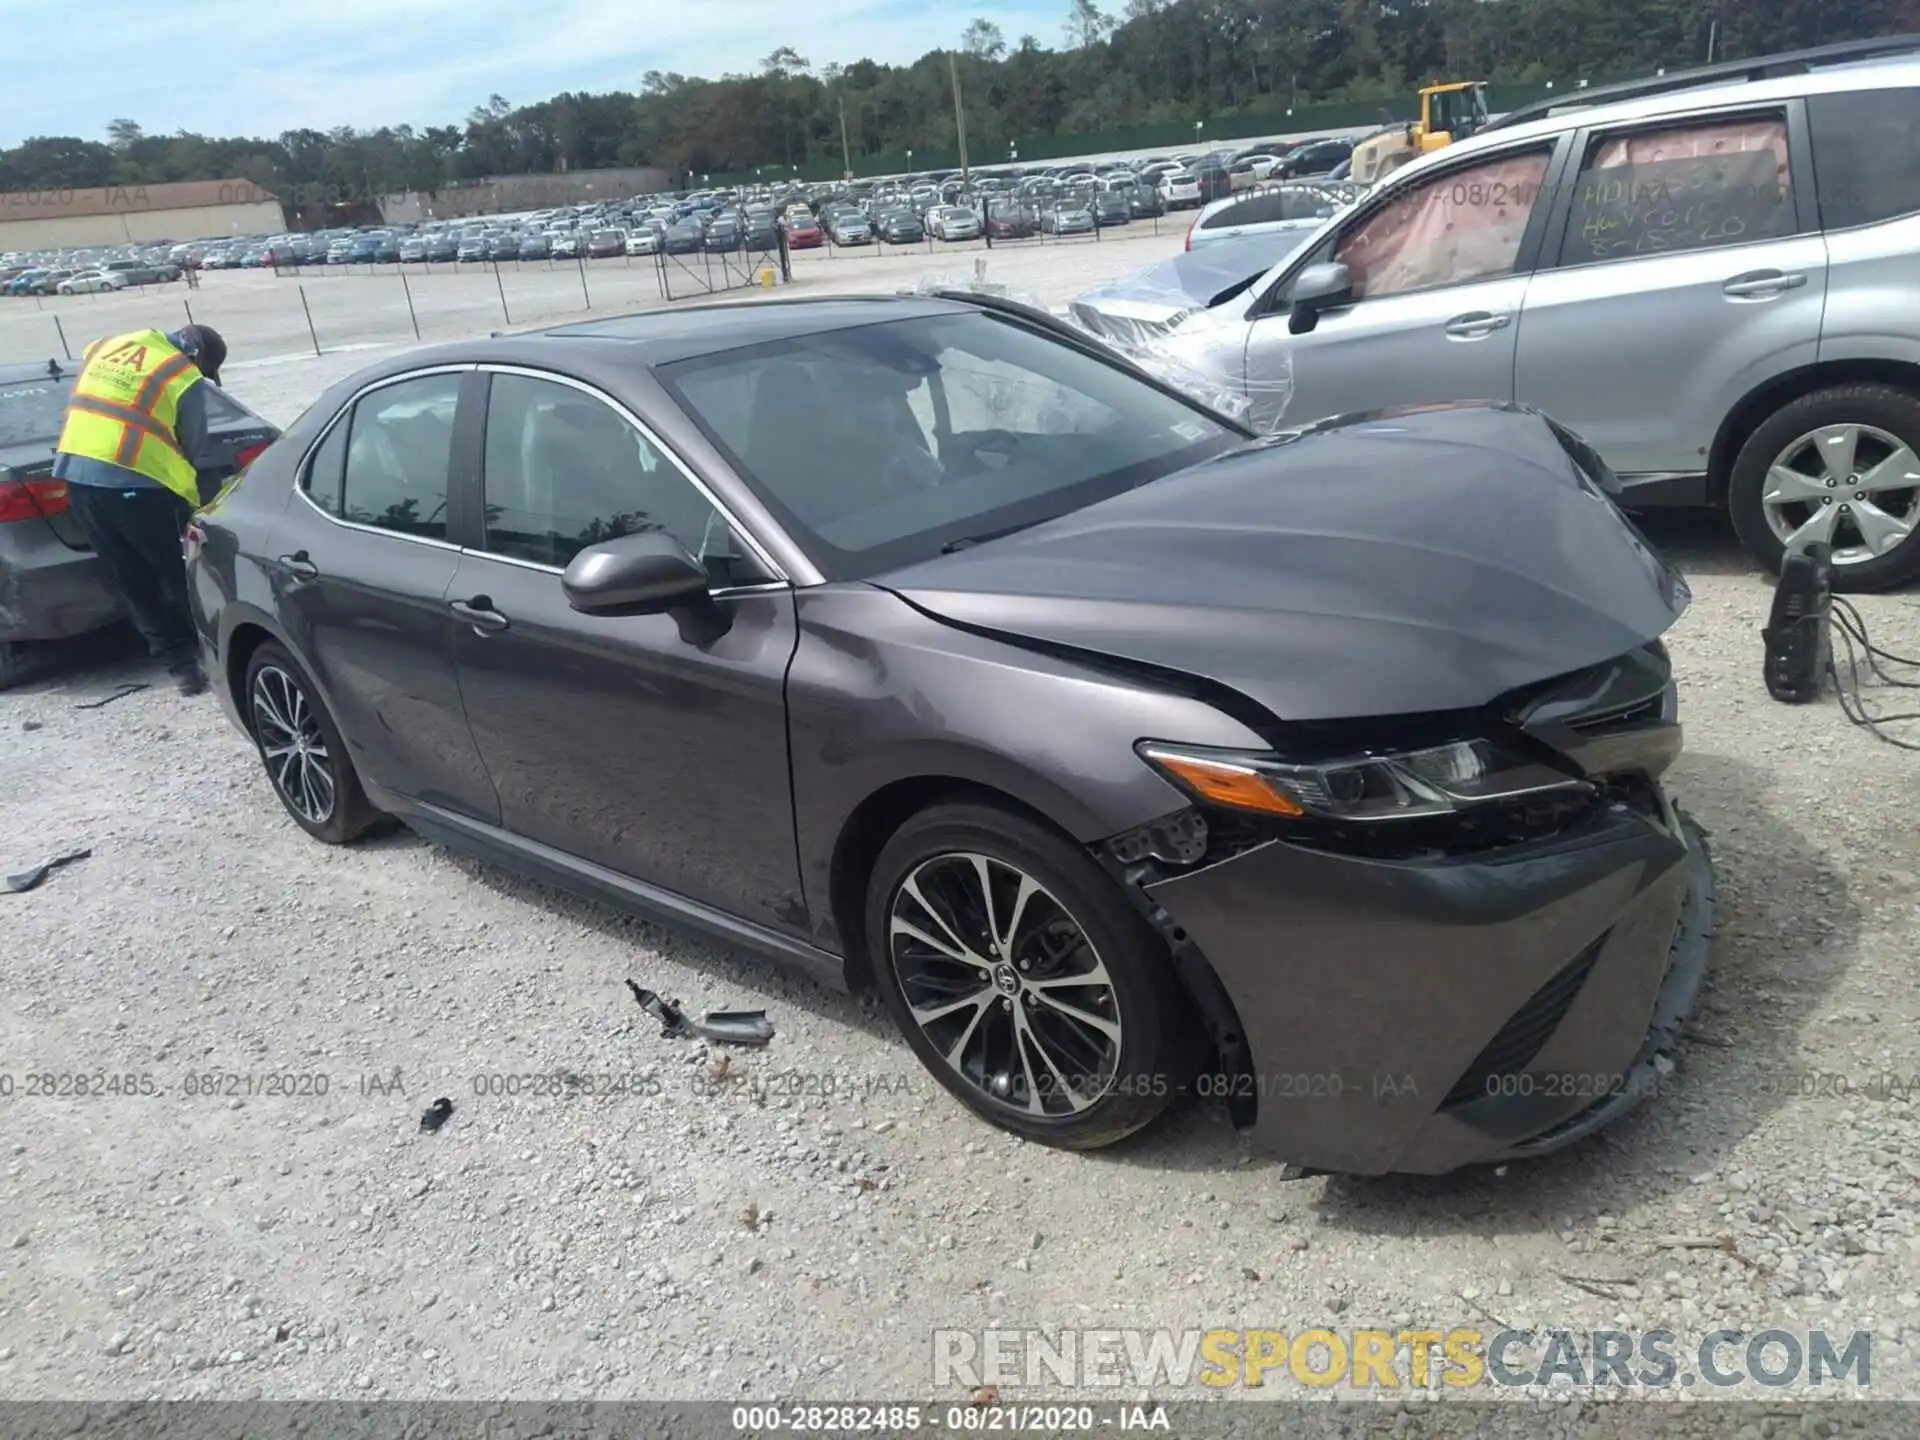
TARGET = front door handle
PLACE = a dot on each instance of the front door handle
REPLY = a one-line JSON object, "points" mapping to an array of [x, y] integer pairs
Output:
{"points": [[480, 614], [1762, 285], [299, 566], [1477, 326]]}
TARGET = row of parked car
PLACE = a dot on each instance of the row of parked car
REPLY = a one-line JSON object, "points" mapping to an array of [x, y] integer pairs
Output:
{"points": [[21, 277]]}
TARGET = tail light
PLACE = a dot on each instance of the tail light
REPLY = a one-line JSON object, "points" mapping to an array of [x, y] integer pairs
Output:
{"points": [[250, 454], [31, 499]]}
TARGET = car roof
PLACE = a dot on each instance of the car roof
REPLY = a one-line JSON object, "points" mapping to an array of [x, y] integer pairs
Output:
{"points": [[665, 337]]}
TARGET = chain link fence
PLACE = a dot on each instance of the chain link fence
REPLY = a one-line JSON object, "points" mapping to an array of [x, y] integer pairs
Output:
{"points": [[270, 315]]}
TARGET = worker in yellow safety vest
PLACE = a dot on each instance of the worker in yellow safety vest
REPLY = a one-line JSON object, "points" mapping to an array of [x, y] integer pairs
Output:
{"points": [[135, 424]]}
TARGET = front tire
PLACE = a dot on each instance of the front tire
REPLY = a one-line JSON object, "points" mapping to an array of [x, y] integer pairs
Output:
{"points": [[1023, 980], [1841, 465], [302, 751]]}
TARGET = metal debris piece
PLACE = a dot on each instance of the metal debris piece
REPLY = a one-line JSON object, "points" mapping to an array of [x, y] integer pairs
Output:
{"points": [[29, 879], [723, 1027], [131, 687], [673, 1024], [437, 1115], [735, 1027]]}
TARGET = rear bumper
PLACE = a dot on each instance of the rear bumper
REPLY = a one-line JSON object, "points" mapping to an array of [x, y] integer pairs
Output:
{"points": [[48, 592], [1418, 1017]]}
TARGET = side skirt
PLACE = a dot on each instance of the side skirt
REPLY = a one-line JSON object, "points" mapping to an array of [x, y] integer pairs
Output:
{"points": [[582, 877]]}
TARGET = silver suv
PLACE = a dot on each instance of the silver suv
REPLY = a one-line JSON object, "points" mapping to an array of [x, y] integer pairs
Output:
{"points": [[1713, 277]]}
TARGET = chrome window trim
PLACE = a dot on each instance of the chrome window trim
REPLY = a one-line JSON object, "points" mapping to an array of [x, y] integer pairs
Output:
{"points": [[304, 473], [665, 450]]}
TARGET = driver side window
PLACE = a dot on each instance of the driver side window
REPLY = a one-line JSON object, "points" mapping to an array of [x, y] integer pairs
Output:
{"points": [[1464, 225], [564, 470]]}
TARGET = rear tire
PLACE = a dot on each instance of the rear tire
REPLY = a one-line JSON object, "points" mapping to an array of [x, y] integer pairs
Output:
{"points": [[13, 665], [1880, 418], [1068, 1026], [302, 750]]}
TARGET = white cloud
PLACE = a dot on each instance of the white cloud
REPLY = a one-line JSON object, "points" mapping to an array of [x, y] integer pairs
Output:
{"points": [[258, 67]]}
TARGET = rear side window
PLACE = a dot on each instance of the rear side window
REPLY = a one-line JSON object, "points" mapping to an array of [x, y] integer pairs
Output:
{"points": [[1866, 155], [398, 447], [324, 474], [1679, 188]]}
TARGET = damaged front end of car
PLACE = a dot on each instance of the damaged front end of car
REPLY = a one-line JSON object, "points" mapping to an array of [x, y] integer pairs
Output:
{"points": [[1459, 938]]}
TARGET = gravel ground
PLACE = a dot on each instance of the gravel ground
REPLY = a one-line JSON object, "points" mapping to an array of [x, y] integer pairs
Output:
{"points": [[799, 1221]]}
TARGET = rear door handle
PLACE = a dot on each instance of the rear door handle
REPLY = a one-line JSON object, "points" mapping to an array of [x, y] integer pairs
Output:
{"points": [[299, 566], [480, 614], [1762, 285], [1477, 326]]}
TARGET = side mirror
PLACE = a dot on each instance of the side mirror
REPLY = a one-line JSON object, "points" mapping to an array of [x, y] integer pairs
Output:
{"points": [[1316, 289], [644, 574]]}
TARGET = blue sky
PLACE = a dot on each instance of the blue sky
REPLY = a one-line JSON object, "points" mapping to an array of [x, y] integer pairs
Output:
{"points": [[258, 67]]}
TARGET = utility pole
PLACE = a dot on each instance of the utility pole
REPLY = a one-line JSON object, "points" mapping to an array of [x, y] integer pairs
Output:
{"points": [[846, 154], [959, 119]]}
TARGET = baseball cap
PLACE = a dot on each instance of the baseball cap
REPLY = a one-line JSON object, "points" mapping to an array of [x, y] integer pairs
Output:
{"points": [[207, 350]]}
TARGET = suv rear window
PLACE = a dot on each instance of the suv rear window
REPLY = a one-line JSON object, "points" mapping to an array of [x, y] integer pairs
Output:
{"points": [[1866, 155], [1683, 187]]}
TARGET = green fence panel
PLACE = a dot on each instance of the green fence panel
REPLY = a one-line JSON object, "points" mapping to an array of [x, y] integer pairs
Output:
{"points": [[1250, 124]]}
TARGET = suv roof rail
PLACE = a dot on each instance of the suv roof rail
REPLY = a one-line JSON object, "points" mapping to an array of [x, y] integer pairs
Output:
{"points": [[1760, 67]]}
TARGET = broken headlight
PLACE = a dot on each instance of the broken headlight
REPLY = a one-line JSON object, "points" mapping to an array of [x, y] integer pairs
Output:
{"points": [[1410, 784]]}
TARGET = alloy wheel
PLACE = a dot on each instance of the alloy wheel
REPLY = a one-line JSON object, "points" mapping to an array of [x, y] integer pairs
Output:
{"points": [[1854, 487], [287, 725], [1005, 985]]}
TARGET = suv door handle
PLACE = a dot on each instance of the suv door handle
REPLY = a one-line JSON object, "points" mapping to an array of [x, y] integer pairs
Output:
{"points": [[1477, 326], [1762, 285], [480, 614], [299, 566]]}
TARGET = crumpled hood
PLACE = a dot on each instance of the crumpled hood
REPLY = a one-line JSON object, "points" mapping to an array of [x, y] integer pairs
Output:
{"points": [[1423, 559], [1162, 294]]}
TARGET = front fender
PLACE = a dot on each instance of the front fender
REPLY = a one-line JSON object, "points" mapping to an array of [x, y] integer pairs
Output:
{"points": [[879, 693]]}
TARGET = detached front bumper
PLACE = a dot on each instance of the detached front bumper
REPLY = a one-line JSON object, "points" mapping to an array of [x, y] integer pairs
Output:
{"points": [[1420, 1016]]}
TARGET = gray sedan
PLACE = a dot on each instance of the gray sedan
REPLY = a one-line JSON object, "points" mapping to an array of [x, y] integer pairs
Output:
{"points": [[923, 643]]}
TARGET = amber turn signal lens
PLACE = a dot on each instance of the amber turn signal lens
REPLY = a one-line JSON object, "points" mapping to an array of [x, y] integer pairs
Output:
{"points": [[1219, 783]]}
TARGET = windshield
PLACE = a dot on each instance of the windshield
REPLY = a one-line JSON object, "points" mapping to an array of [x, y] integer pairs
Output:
{"points": [[32, 412], [879, 445]]}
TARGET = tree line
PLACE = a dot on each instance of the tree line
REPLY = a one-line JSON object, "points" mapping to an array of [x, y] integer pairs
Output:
{"points": [[1151, 62]]}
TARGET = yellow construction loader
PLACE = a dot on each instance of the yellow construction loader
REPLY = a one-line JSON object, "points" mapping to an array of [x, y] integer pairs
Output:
{"points": [[1447, 113]]}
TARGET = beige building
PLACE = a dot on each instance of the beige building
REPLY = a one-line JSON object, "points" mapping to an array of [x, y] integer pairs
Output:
{"points": [[141, 214], [516, 194]]}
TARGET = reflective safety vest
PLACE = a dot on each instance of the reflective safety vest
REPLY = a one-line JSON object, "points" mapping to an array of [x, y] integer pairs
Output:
{"points": [[124, 406]]}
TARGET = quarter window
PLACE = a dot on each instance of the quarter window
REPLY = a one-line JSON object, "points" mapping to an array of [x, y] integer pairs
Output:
{"points": [[1461, 226], [565, 471], [399, 441], [325, 473], [1866, 155], [1680, 188]]}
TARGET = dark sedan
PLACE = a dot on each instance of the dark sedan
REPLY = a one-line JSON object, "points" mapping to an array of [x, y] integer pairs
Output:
{"points": [[901, 227], [51, 586], [1319, 158], [925, 643]]}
